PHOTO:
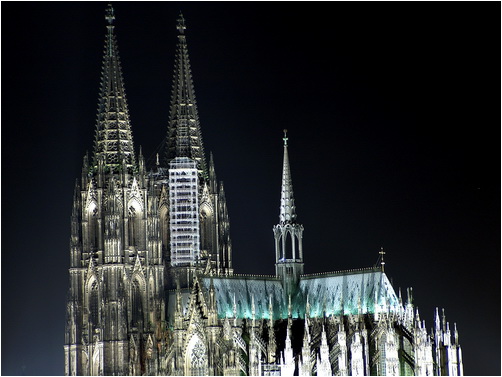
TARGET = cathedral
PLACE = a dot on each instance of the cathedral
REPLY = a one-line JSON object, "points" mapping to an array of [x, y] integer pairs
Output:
{"points": [[152, 290]]}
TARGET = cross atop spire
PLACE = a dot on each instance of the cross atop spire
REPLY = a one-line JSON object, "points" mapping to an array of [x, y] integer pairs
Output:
{"points": [[181, 24], [382, 262], [285, 138], [110, 14]]}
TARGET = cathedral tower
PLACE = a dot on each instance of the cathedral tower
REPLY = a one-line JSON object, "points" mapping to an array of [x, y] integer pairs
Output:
{"points": [[198, 225], [116, 301]]}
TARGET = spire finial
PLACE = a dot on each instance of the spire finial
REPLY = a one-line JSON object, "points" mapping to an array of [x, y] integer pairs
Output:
{"points": [[110, 14], [181, 24], [382, 262], [285, 138]]}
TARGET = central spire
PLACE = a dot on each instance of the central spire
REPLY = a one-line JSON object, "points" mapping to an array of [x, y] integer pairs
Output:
{"points": [[288, 233], [113, 142], [287, 212], [184, 138]]}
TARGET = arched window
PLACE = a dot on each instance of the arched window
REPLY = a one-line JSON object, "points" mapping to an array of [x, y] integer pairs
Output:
{"points": [[196, 358], [288, 245], [132, 227], [94, 304], [206, 228], [164, 227], [151, 291], [92, 219], [137, 304]]}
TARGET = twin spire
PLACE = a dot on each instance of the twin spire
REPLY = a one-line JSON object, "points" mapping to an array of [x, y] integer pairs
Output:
{"points": [[113, 143], [184, 138]]}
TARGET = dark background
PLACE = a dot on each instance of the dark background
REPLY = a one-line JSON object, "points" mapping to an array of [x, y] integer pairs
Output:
{"points": [[393, 112]]}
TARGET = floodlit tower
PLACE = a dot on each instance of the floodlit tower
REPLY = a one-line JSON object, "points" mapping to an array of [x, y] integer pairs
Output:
{"points": [[116, 303], [288, 233], [208, 233]]}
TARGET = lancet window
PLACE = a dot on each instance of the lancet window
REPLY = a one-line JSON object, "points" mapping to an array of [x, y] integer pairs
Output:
{"points": [[288, 245], [196, 358], [134, 224], [206, 219], [164, 227], [92, 220], [137, 303], [94, 304]]}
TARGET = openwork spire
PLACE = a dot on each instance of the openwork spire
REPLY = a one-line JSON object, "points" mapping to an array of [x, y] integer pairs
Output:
{"points": [[113, 143], [184, 138], [287, 213]]}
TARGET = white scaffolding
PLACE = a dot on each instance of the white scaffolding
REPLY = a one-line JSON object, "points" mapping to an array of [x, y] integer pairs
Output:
{"points": [[184, 213]]}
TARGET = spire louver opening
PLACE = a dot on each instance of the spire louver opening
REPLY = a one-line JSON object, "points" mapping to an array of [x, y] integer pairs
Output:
{"points": [[113, 140]]}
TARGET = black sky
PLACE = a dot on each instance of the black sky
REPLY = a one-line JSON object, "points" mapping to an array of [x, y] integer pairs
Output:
{"points": [[393, 112]]}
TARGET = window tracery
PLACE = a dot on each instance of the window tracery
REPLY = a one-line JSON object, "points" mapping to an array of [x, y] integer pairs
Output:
{"points": [[196, 357], [137, 304], [94, 304]]}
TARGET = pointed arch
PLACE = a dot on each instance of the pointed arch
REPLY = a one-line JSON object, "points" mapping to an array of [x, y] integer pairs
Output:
{"points": [[138, 302], [135, 215], [196, 356], [150, 293], [206, 227], [92, 300], [91, 215], [94, 304], [164, 226], [288, 243]]}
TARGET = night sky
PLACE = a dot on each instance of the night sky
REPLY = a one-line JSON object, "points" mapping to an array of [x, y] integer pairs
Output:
{"points": [[393, 112]]}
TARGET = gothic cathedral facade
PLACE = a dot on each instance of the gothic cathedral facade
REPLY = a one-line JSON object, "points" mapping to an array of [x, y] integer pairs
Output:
{"points": [[152, 290]]}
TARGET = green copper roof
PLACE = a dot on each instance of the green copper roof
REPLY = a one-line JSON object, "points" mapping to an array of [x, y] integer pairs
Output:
{"points": [[368, 291], [242, 291], [331, 294]]}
